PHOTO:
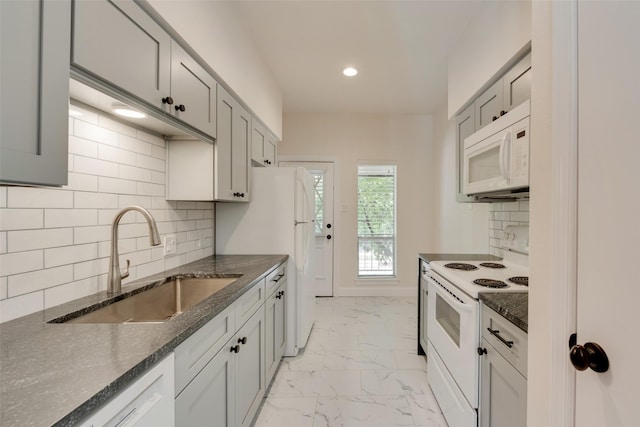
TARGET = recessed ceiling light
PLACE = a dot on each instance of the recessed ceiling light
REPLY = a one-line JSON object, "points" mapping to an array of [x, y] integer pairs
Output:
{"points": [[349, 71], [126, 111]]}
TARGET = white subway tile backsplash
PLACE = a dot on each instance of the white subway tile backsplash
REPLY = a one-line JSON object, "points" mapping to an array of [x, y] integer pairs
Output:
{"points": [[153, 139], [70, 291], [83, 147], [86, 200], [21, 262], [29, 197], [54, 218], [95, 167], [20, 284], [21, 219], [95, 133], [150, 163], [55, 243], [116, 185], [135, 145], [117, 155], [27, 240], [520, 216], [70, 254], [22, 305], [98, 233], [503, 215], [82, 182]]}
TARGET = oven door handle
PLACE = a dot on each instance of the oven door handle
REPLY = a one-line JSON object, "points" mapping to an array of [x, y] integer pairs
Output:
{"points": [[449, 298]]}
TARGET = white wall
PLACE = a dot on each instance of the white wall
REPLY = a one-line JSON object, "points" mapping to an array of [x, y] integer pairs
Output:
{"points": [[457, 227], [503, 29], [54, 243], [214, 30], [406, 140]]}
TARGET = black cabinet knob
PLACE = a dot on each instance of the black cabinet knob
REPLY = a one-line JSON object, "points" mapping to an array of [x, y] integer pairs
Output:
{"points": [[235, 349], [482, 351], [167, 100], [495, 118], [242, 340], [278, 295], [180, 107], [266, 162], [502, 113], [590, 355]]}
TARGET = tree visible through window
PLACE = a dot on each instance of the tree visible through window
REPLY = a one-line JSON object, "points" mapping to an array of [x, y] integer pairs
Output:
{"points": [[376, 220]]}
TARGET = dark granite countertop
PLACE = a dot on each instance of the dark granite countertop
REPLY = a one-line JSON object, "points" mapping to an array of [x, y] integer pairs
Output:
{"points": [[57, 374], [512, 306], [458, 257]]}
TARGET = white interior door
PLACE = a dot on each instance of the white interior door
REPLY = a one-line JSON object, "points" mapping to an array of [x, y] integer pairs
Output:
{"points": [[322, 173], [608, 209]]}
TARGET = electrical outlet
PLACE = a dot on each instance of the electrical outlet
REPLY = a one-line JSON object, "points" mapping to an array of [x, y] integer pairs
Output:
{"points": [[170, 245]]}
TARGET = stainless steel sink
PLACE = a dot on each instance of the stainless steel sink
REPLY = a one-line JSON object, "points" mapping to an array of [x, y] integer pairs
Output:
{"points": [[159, 303]]}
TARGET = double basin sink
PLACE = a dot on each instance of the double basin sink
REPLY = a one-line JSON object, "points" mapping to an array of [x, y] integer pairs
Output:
{"points": [[156, 304]]}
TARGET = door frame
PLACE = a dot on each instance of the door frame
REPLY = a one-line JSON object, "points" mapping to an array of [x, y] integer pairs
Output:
{"points": [[336, 197], [562, 216]]}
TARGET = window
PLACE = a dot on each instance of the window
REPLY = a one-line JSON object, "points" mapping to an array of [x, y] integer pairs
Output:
{"points": [[376, 220]]}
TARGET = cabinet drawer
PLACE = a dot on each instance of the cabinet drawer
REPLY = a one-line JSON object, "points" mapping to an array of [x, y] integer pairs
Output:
{"points": [[195, 352], [275, 278], [248, 303], [516, 353]]}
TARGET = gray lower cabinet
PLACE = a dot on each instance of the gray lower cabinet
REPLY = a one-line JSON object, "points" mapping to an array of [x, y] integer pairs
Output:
{"points": [[34, 81], [276, 326], [423, 313], [503, 373]]}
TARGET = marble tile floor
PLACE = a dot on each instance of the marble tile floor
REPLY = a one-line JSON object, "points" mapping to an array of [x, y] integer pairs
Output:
{"points": [[360, 368]]}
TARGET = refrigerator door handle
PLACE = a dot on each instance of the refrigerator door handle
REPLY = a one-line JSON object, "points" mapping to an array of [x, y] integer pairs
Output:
{"points": [[296, 222]]}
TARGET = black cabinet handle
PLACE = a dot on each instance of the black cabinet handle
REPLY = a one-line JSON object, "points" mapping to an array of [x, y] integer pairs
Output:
{"points": [[167, 100], [180, 107], [502, 340], [494, 118], [278, 295], [502, 113], [242, 340], [235, 349], [266, 162], [481, 351]]}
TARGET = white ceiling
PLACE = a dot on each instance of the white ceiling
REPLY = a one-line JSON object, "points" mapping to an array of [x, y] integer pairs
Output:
{"points": [[400, 48]]}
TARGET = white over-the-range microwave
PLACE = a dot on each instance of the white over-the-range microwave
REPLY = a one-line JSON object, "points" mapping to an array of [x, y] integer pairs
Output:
{"points": [[496, 158]]}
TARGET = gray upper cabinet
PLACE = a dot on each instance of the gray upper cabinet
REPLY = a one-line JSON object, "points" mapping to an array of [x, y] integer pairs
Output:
{"points": [[136, 58], [193, 91], [465, 126], [263, 146], [232, 150], [34, 82], [517, 84], [489, 105]]}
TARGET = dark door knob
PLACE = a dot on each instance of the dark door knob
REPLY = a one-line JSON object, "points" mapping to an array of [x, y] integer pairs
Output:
{"points": [[180, 107], [167, 100], [328, 236], [590, 355], [328, 225]]}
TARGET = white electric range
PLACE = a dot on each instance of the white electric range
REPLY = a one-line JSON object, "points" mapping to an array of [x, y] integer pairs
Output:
{"points": [[453, 321]]}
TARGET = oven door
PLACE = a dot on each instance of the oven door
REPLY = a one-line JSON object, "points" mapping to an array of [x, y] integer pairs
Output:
{"points": [[454, 333]]}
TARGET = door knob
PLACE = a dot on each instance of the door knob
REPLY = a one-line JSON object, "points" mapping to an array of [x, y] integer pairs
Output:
{"points": [[589, 355], [328, 236], [328, 225]]}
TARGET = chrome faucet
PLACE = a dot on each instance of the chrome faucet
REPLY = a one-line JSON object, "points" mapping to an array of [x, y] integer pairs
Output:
{"points": [[114, 279]]}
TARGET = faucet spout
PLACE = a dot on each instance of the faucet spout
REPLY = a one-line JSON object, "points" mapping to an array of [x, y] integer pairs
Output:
{"points": [[115, 276]]}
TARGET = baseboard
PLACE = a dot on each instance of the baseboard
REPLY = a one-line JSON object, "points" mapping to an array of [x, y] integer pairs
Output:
{"points": [[377, 291]]}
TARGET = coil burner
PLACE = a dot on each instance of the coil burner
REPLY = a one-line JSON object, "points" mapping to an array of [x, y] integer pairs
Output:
{"points": [[520, 280], [492, 265], [490, 283], [461, 266]]}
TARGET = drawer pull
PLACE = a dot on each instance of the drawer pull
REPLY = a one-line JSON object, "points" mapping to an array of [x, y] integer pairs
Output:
{"points": [[496, 334], [277, 278]]}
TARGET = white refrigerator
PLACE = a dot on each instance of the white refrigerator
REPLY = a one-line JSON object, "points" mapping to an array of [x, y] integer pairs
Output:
{"points": [[277, 220]]}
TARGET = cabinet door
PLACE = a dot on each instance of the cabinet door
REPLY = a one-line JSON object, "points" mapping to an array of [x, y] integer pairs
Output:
{"points": [[489, 105], [34, 81], [275, 330], [423, 313], [269, 150], [517, 84], [250, 369], [135, 58], [280, 334], [258, 139], [503, 396], [232, 150], [192, 89], [465, 126], [209, 399]]}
